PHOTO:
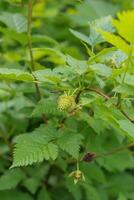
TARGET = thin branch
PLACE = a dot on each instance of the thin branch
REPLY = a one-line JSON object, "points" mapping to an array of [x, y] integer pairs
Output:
{"points": [[116, 150], [99, 92], [106, 97], [30, 48], [118, 104], [126, 115], [38, 93], [96, 156], [78, 96]]}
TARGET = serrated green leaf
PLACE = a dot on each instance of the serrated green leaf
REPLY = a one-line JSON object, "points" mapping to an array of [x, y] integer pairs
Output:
{"points": [[47, 106], [70, 143], [124, 25], [53, 150], [39, 144]]}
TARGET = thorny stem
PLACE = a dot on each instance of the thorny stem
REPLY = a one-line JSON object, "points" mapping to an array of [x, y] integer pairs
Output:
{"points": [[38, 93]]}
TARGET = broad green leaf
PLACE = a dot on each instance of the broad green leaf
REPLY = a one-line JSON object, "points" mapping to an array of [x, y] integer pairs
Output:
{"points": [[31, 184], [101, 69], [16, 21], [96, 173], [120, 161], [116, 41], [43, 194], [120, 183], [125, 25], [128, 127], [94, 123], [74, 189], [11, 178], [91, 192], [70, 143], [22, 38], [81, 36], [95, 37], [48, 75], [53, 55], [124, 89], [79, 66], [19, 37], [14, 195], [108, 55], [129, 79], [15, 75], [112, 117], [122, 197], [90, 10], [104, 24]]}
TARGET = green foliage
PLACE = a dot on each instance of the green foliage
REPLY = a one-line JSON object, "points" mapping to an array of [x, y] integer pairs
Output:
{"points": [[47, 106], [15, 195], [70, 143], [11, 179], [40, 146], [116, 41], [16, 22], [124, 26], [125, 29], [15, 75], [66, 100]]}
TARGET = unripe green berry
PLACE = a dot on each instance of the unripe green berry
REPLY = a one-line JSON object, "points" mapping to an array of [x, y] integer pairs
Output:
{"points": [[66, 103]]}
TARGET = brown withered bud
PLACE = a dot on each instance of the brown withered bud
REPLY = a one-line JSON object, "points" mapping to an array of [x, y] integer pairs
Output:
{"points": [[88, 157]]}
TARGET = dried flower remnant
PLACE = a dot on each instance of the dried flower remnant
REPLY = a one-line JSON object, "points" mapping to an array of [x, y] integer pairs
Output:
{"points": [[89, 157], [77, 176]]}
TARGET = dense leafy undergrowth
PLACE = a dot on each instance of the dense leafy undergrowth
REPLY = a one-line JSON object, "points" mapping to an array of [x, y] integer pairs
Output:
{"points": [[66, 100]]}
